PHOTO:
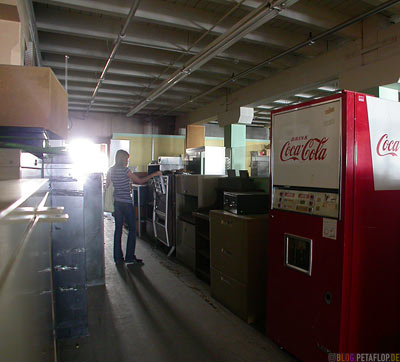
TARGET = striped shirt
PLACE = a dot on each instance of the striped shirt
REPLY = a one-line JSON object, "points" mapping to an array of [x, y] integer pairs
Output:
{"points": [[121, 182]]}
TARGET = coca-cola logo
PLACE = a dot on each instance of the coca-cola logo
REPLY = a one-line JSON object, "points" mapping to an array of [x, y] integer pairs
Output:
{"points": [[386, 147], [313, 149]]}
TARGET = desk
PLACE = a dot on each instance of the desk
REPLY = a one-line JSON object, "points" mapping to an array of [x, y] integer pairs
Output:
{"points": [[139, 189]]}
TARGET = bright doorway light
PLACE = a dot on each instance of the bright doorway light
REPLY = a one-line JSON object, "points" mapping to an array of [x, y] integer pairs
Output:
{"points": [[87, 157]]}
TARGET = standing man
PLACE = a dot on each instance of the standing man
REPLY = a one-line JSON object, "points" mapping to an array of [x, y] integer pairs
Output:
{"points": [[121, 177]]}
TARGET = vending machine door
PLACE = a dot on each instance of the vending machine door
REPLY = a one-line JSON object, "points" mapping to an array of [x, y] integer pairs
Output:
{"points": [[374, 321], [305, 252]]}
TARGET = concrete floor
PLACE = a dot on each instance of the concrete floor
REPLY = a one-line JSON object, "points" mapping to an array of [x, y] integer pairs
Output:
{"points": [[161, 312]]}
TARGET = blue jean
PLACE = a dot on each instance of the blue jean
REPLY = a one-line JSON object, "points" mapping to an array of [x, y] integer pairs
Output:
{"points": [[124, 210]]}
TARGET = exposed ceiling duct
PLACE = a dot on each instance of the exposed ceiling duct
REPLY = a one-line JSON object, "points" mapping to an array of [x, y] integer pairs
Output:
{"points": [[241, 115], [249, 23]]}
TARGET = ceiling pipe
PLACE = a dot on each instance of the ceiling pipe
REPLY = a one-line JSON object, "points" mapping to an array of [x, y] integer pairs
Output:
{"points": [[308, 42], [33, 31], [259, 16], [116, 45], [66, 58]]}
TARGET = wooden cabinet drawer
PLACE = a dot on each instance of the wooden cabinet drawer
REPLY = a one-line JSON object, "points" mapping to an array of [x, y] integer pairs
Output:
{"points": [[185, 243], [228, 226], [232, 294], [185, 235], [187, 185], [228, 246]]}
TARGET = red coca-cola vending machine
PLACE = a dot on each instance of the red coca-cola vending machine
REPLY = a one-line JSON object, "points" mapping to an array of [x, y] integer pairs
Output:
{"points": [[334, 245]]}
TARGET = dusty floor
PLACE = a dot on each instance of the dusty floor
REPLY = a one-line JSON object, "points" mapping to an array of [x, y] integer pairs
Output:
{"points": [[161, 312]]}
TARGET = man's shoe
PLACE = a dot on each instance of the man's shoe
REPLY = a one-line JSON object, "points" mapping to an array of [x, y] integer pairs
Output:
{"points": [[134, 261]]}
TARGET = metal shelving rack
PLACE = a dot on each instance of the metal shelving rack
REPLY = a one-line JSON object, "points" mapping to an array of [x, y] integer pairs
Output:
{"points": [[163, 212]]}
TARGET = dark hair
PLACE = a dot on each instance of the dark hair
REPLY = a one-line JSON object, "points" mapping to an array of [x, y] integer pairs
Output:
{"points": [[120, 157]]}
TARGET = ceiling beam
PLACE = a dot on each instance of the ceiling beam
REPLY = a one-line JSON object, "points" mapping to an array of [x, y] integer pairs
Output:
{"points": [[83, 105], [122, 82], [96, 109], [99, 49], [84, 95], [320, 17], [110, 90], [119, 68], [128, 101], [143, 35], [189, 18], [393, 10], [315, 16], [106, 105]]}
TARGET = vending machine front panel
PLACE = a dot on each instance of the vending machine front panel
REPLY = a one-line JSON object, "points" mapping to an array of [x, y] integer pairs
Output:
{"points": [[339, 291], [307, 202], [305, 253], [306, 146], [374, 322]]}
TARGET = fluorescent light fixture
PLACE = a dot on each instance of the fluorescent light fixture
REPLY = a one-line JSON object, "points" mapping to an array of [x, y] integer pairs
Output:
{"points": [[265, 107], [303, 95], [327, 88], [283, 101]]}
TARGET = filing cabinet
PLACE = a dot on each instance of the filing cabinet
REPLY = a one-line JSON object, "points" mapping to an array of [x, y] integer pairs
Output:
{"points": [[238, 248]]}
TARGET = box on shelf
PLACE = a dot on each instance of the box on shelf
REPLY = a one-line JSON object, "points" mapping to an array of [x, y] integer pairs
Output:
{"points": [[33, 97], [15, 164]]}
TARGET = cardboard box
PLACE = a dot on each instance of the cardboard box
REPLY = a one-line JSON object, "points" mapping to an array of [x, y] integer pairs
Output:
{"points": [[10, 157], [11, 35], [195, 136], [33, 97], [9, 173], [15, 164]]}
